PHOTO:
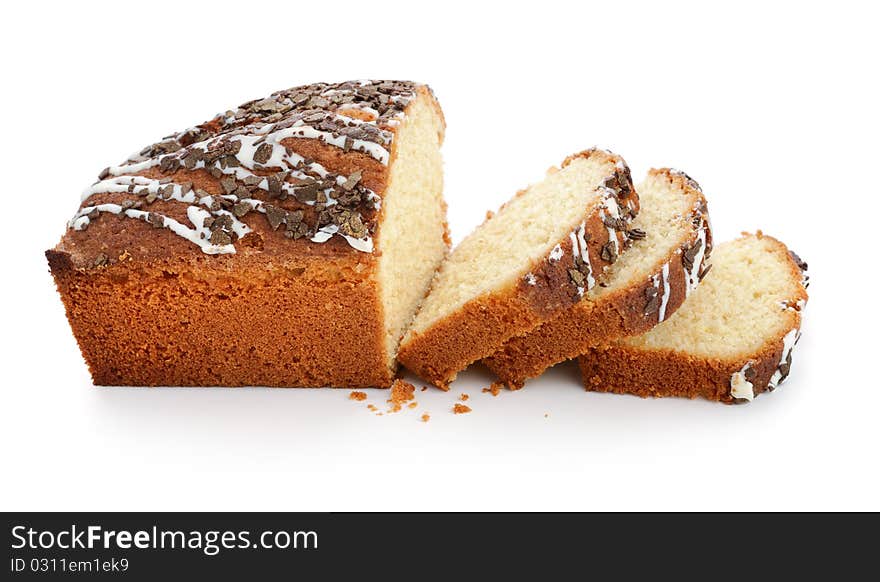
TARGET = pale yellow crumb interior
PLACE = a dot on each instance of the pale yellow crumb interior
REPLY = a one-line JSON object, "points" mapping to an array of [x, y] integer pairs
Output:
{"points": [[664, 217], [411, 237], [526, 229], [737, 307]]}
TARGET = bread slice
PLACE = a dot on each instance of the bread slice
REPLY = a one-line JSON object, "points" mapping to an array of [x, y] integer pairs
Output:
{"points": [[538, 255], [730, 341], [671, 242], [287, 242]]}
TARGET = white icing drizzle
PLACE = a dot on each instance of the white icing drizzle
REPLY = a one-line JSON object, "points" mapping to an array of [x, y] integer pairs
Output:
{"points": [[610, 208], [556, 253], [579, 250], [199, 236], [788, 343], [253, 136], [740, 387], [530, 279], [692, 275], [664, 276]]}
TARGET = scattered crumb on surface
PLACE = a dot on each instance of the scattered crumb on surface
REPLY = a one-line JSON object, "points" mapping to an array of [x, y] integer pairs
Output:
{"points": [[356, 395], [401, 391], [463, 397], [495, 388], [413, 404], [426, 417], [460, 409], [424, 388], [371, 406]]}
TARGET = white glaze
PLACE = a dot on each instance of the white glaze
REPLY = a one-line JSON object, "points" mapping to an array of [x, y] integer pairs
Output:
{"points": [[787, 345], [579, 249], [610, 208], [122, 178], [692, 276], [740, 387], [664, 301]]}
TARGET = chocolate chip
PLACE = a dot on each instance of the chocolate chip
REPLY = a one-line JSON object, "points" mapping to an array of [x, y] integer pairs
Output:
{"points": [[636, 234], [263, 153], [352, 181], [275, 215], [801, 264], [240, 209], [609, 251], [615, 223], [157, 220], [704, 271], [652, 297], [220, 237]]}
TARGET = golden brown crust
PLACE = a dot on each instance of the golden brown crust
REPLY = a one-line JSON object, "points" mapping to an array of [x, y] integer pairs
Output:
{"points": [[173, 323], [148, 307], [478, 328], [625, 369], [624, 312]]}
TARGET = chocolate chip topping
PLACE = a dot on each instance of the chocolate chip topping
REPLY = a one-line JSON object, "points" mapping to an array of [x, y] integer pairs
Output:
{"points": [[609, 251], [690, 253], [652, 297], [801, 264], [357, 116]]}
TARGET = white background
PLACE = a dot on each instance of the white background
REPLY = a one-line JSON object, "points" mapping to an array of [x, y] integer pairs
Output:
{"points": [[772, 107]]}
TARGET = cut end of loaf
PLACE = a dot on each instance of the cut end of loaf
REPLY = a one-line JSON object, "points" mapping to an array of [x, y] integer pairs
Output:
{"points": [[413, 239]]}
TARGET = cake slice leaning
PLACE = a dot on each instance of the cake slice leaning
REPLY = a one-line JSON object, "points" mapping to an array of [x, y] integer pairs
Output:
{"points": [[671, 244], [537, 256], [730, 341]]}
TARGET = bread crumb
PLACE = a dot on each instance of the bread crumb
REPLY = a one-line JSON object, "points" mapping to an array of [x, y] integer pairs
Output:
{"points": [[426, 417], [356, 395], [463, 397], [424, 388], [401, 391], [371, 407], [495, 388], [413, 404], [460, 409]]}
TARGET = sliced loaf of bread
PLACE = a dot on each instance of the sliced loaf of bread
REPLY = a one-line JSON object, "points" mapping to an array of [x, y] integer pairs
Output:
{"points": [[730, 341], [671, 243], [538, 255]]}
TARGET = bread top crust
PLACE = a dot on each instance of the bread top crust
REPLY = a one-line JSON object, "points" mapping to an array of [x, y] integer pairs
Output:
{"points": [[298, 174]]}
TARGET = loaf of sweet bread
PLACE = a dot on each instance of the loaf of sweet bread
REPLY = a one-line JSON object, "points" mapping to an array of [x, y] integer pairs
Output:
{"points": [[671, 243], [540, 254], [287, 242], [730, 341]]}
